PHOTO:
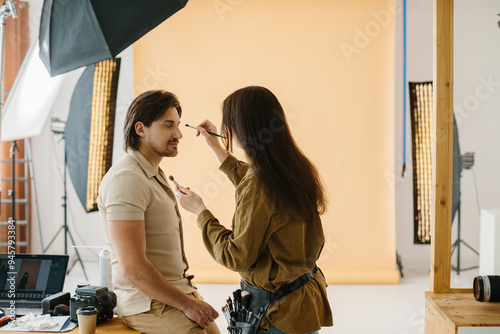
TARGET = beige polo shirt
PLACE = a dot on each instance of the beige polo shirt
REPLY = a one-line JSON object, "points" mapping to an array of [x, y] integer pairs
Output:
{"points": [[133, 190]]}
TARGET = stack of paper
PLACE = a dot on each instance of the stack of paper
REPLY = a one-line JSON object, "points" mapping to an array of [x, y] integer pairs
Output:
{"points": [[40, 323]]}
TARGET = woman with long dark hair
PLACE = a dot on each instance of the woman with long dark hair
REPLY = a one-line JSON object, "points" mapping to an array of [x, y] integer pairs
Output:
{"points": [[276, 234]]}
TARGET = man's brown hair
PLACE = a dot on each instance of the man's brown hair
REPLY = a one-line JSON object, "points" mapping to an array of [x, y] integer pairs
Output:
{"points": [[146, 108]]}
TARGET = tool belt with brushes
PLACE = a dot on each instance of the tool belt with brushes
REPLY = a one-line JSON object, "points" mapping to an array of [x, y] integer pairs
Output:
{"points": [[245, 312]]}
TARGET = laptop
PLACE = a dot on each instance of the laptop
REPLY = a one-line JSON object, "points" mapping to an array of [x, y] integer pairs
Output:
{"points": [[28, 279]]}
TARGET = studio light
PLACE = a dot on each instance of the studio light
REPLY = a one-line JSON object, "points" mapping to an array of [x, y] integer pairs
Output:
{"points": [[88, 135], [421, 95], [421, 124], [57, 126], [90, 129], [468, 160]]}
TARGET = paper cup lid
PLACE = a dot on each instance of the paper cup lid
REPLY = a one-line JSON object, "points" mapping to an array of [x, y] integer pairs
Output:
{"points": [[88, 310]]}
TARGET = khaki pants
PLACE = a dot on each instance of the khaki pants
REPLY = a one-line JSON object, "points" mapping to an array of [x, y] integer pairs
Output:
{"points": [[166, 319]]}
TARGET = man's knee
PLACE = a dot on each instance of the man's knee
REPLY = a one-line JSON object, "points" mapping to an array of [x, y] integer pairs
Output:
{"points": [[212, 329]]}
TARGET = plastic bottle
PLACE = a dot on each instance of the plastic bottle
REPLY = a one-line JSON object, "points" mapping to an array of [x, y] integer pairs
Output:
{"points": [[105, 278]]}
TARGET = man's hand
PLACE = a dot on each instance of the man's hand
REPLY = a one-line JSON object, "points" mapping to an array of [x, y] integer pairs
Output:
{"points": [[200, 312]]}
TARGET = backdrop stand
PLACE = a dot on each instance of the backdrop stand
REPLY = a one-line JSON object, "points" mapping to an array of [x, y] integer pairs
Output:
{"points": [[65, 226]]}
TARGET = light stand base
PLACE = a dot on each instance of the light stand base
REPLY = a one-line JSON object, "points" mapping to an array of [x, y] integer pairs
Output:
{"points": [[456, 246], [78, 258], [399, 263], [65, 226]]}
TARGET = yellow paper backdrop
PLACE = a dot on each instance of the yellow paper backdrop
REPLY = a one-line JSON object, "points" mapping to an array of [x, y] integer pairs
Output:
{"points": [[331, 64]]}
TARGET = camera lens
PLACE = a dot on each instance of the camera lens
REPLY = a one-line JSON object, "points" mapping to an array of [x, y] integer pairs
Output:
{"points": [[487, 288]]}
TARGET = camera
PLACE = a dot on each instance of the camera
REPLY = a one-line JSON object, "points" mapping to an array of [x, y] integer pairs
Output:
{"points": [[99, 297], [487, 288]]}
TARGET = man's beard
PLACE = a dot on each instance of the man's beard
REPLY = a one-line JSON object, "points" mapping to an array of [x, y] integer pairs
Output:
{"points": [[164, 153]]}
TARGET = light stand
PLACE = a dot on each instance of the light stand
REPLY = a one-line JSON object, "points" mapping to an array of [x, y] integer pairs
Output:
{"points": [[467, 163], [8, 9], [57, 130]]}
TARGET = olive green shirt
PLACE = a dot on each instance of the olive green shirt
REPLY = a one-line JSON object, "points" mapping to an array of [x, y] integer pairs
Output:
{"points": [[269, 249], [132, 190]]}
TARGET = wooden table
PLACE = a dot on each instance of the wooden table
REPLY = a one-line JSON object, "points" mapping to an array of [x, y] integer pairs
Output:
{"points": [[447, 312], [113, 326]]}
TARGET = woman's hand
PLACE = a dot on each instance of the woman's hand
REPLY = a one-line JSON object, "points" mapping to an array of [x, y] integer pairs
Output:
{"points": [[203, 127], [212, 141], [190, 201]]}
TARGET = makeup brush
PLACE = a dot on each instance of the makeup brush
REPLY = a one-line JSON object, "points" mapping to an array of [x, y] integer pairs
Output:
{"points": [[210, 132], [171, 178]]}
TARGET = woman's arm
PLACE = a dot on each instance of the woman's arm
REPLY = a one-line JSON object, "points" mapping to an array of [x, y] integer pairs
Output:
{"points": [[231, 166], [236, 249]]}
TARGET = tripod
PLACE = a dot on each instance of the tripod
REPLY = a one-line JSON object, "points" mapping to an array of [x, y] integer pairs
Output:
{"points": [[65, 226], [456, 246]]}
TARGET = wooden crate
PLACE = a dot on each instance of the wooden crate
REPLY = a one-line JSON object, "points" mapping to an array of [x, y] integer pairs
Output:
{"points": [[447, 312]]}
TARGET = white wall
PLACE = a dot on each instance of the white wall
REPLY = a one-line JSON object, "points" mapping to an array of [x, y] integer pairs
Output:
{"points": [[477, 48], [477, 104]]}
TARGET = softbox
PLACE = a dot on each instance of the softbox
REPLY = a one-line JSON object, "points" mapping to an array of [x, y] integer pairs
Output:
{"points": [[421, 95], [76, 33], [89, 129]]}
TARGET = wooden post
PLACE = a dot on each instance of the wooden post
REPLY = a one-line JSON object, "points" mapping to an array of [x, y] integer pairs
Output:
{"points": [[447, 310], [443, 141]]}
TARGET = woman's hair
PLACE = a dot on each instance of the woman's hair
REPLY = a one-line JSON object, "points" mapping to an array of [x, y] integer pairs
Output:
{"points": [[255, 117], [146, 108]]}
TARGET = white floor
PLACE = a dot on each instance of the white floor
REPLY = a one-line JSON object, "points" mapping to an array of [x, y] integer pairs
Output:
{"points": [[357, 309]]}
